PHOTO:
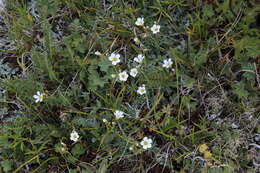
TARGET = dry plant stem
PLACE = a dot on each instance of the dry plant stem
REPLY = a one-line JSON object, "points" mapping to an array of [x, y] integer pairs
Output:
{"points": [[238, 17], [257, 76]]}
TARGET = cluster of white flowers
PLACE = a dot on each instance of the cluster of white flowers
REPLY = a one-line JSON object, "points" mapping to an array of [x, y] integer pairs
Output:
{"points": [[122, 76], [155, 28], [146, 143]]}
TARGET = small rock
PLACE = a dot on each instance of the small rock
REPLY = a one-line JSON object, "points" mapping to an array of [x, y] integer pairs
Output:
{"points": [[257, 138], [2, 5]]}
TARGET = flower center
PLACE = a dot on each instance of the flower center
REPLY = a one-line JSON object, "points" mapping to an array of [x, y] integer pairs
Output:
{"points": [[114, 59], [145, 143]]}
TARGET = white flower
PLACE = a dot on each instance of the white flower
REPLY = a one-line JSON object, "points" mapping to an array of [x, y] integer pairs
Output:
{"points": [[155, 28], [146, 143], [98, 53], [119, 114], [141, 90], [133, 72], [123, 76], [131, 148], [104, 120], [140, 21], [114, 58], [38, 97], [139, 58], [113, 76], [63, 144], [167, 63], [74, 136], [136, 40], [64, 147]]}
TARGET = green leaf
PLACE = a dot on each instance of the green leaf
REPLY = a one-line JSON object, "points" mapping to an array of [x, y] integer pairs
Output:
{"points": [[104, 64], [4, 142], [87, 171], [103, 166], [94, 78], [72, 171], [78, 150], [201, 57], [208, 11], [96, 81], [7, 165], [247, 46], [71, 159], [239, 90]]}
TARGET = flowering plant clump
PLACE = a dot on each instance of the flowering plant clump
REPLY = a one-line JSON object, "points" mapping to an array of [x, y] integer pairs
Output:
{"points": [[128, 86]]}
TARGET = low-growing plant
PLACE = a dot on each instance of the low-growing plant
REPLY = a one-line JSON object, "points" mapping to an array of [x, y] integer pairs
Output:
{"points": [[135, 86]]}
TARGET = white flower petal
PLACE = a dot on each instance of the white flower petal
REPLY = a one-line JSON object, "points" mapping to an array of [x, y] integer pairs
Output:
{"points": [[74, 136], [123, 76], [133, 72], [167, 63], [114, 58], [155, 28], [140, 21], [118, 114]]}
